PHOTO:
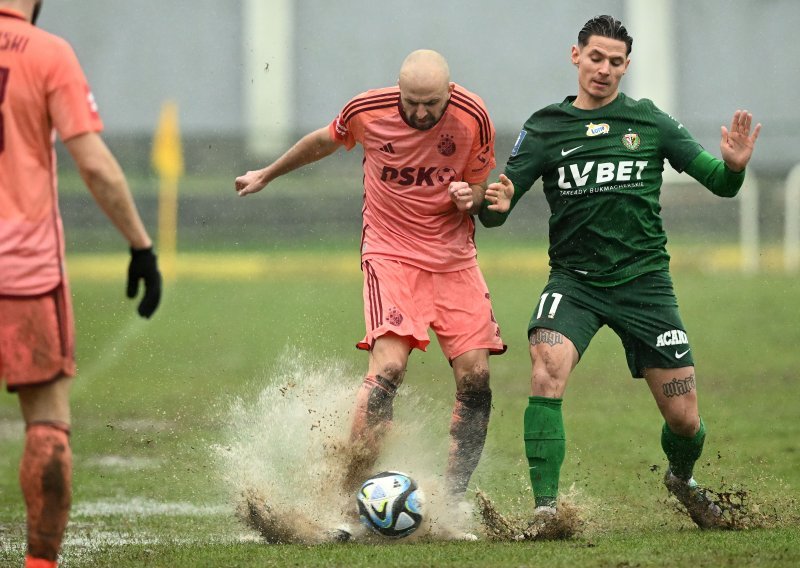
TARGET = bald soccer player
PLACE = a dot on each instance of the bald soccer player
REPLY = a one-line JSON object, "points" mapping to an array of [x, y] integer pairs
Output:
{"points": [[428, 151], [43, 91]]}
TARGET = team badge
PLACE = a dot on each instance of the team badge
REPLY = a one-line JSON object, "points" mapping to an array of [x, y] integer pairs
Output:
{"points": [[394, 316], [593, 129], [631, 141], [446, 146]]}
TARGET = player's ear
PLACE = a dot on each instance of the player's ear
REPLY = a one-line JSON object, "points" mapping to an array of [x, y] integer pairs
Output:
{"points": [[575, 54], [451, 87]]}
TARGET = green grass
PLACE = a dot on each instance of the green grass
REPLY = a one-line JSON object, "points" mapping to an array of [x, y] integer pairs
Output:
{"points": [[158, 394]]}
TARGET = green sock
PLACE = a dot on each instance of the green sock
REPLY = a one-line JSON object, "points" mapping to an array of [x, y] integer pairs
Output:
{"points": [[681, 452], [545, 447]]}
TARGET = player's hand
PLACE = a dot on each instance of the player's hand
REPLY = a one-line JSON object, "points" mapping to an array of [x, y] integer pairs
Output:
{"points": [[144, 266], [251, 182], [461, 194], [737, 142], [499, 195]]}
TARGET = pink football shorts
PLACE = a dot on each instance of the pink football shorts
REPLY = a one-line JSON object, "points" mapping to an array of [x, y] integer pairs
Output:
{"points": [[406, 301], [37, 338]]}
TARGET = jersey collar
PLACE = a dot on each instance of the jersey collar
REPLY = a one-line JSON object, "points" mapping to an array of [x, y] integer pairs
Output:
{"points": [[9, 13], [567, 104]]}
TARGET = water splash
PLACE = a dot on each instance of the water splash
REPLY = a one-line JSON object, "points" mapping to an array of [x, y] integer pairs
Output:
{"points": [[285, 452]]}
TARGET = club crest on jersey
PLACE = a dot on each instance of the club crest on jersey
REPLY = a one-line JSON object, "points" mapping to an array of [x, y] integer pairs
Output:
{"points": [[593, 129], [518, 143], [394, 316], [631, 141], [446, 145]]}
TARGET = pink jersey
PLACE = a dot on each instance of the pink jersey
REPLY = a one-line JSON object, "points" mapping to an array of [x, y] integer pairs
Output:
{"points": [[42, 91], [408, 214]]}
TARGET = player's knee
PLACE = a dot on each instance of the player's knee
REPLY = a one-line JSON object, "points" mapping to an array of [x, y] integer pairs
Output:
{"points": [[390, 376], [685, 425], [473, 382]]}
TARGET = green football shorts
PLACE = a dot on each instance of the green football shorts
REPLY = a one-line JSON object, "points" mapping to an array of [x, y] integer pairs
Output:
{"points": [[642, 312]]}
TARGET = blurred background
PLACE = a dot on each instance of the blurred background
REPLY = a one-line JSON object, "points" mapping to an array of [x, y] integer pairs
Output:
{"points": [[250, 77]]}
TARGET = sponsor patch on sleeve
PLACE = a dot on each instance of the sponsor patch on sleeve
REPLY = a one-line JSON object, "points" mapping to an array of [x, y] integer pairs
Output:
{"points": [[518, 143], [340, 128]]}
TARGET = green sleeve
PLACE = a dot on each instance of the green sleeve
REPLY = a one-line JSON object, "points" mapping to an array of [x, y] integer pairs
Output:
{"points": [[523, 168], [677, 143], [715, 175]]}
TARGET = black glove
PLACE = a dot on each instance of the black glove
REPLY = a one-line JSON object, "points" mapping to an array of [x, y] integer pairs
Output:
{"points": [[143, 265]]}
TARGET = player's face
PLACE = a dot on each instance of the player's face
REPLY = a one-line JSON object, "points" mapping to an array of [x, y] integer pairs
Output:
{"points": [[424, 106], [601, 64]]}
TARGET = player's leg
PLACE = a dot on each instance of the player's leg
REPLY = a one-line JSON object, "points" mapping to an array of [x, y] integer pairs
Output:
{"points": [[468, 333], [388, 359], [46, 467], [683, 433], [682, 438], [657, 348], [470, 418], [36, 359], [394, 328], [561, 327], [553, 357], [373, 412]]}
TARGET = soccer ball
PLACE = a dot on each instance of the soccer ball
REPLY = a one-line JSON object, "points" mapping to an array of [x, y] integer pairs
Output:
{"points": [[390, 504]]}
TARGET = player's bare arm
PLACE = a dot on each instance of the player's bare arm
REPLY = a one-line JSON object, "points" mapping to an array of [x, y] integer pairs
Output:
{"points": [[466, 196], [106, 181], [310, 148], [737, 143], [499, 195]]}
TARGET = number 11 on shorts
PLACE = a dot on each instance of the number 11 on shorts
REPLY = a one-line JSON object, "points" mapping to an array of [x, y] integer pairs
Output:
{"points": [[553, 306]]}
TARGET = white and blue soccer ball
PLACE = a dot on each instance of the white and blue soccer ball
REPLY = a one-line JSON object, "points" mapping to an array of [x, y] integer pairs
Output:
{"points": [[391, 504]]}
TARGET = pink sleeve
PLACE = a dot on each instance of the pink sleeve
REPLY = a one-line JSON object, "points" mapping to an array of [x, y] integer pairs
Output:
{"points": [[481, 159], [344, 132], [70, 101]]}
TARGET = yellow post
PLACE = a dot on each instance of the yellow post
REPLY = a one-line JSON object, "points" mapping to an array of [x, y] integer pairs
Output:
{"points": [[167, 160]]}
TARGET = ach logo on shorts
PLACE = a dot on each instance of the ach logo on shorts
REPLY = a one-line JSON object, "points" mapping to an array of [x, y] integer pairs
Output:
{"points": [[672, 337]]}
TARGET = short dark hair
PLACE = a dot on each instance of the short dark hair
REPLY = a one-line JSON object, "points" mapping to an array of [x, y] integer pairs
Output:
{"points": [[605, 26]]}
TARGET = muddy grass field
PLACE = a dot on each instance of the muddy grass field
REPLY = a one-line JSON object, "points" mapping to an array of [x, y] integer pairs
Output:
{"points": [[241, 385]]}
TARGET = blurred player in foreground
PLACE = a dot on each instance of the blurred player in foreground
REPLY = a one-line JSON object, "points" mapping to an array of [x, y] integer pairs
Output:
{"points": [[43, 91], [428, 151], [601, 156]]}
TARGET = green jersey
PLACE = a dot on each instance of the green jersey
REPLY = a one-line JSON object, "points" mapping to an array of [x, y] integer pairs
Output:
{"points": [[602, 174]]}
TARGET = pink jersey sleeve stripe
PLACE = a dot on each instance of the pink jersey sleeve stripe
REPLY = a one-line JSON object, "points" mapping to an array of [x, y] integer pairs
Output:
{"points": [[484, 136], [364, 97], [469, 100], [478, 112], [355, 105], [364, 109]]}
